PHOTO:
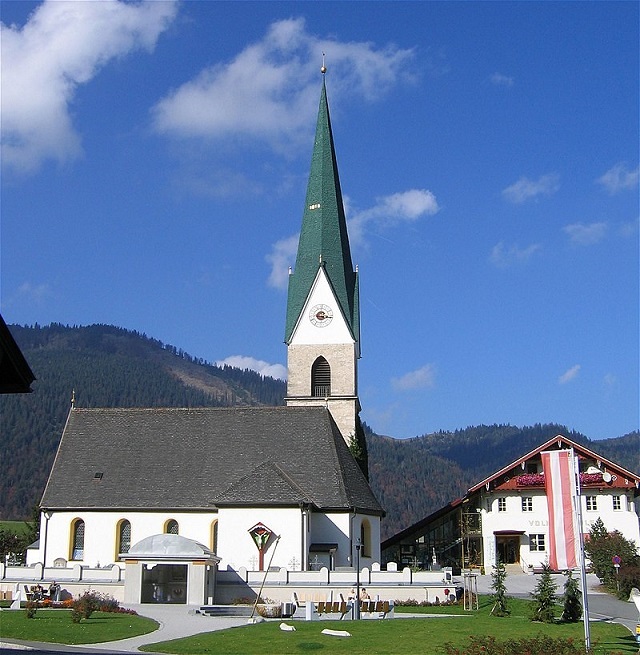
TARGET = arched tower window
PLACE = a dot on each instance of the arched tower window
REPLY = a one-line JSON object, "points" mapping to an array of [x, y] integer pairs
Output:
{"points": [[123, 537], [171, 527], [77, 540], [320, 378]]}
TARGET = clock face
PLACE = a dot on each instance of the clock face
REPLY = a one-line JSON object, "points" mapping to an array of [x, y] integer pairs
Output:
{"points": [[321, 315]]}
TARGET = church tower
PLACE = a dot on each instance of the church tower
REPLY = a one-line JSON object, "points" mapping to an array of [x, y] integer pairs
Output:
{"points": [[323, 310]]}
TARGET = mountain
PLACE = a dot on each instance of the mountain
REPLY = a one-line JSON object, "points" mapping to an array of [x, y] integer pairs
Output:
{"points": [[414, 477], [103, 366], [106, 366]]}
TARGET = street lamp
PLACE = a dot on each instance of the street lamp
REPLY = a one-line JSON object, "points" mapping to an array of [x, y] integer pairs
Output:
{"points": [[47, 515], [357, 600]]}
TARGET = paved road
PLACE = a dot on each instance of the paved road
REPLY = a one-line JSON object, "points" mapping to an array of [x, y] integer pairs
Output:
{"points": [[176, 621]]}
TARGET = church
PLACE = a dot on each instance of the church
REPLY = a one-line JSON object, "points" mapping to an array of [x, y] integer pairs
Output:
{"points": [[241, 487]]}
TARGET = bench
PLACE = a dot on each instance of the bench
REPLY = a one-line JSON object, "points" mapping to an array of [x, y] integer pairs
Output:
{"points": [[379, 608]]}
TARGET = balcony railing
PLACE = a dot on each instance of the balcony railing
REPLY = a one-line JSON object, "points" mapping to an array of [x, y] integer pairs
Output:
{"points": [[537, 479]]}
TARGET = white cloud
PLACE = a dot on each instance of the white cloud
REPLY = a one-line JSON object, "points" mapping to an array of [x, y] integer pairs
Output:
{"points": [[503, 255], [501, 80], [63, 45], [243, 362], [268, 92], [629, 229], [570, 374], [619, 178], [585, 235], [407, 206], [525, 189], [610, 380], [34, 292], [281, 257], [421, 378]]}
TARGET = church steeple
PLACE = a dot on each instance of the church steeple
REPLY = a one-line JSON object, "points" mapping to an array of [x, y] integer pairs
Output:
{"points": [[323, 238], [322, 331]]}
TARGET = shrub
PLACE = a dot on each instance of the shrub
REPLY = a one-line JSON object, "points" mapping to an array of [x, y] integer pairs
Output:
{"points": [[532, 646], [572, 610], [499, 598], [92, 601], [545, 596], [602, 546], [628, 577], [30, 609]]}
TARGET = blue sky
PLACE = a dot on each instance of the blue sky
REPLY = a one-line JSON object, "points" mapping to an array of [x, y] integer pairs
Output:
{"points": [[154, 167]]}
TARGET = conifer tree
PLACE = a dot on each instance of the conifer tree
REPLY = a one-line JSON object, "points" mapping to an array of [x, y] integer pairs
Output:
{"points": [[499, 597], [572, 610], [545, 596]]}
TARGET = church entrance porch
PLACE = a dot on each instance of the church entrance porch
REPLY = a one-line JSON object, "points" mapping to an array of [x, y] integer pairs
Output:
{"points": [[164, 583], [169, 569]]}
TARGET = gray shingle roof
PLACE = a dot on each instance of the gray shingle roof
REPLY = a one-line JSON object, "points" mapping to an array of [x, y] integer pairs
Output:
{"points": [[196, 458]]}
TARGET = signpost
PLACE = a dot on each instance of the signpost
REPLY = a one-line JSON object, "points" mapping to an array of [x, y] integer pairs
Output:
{"points": [[617, 560]]}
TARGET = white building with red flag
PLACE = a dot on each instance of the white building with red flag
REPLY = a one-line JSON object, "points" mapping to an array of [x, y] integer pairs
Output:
{"points": [[523, 514]]}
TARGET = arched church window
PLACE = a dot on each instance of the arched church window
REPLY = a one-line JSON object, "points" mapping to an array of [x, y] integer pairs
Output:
{"points": [[214, 535], [124, 537], [171, 526], [77, 540], [320, 378]]}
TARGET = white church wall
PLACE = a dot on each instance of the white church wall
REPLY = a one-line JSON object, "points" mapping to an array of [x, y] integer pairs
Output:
{"points": [[236, 547], [100, 540]]}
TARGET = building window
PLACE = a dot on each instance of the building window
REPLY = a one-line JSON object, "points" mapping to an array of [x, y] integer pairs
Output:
{"points": [[532, 468], [214, 535], [592, 503], [365, 539], [171, 527], [617, 502], [527, 504], [77, 540], [536, 542], [502, 504], [321, 378], [124, 537]]}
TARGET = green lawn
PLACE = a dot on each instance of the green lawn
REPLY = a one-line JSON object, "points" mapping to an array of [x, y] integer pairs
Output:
{"points": [[56, 626], [19, 527], [400, 636]]}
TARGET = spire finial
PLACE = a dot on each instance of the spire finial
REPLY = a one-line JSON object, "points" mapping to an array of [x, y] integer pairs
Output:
{"points": [[73, 398], [323, 70]]}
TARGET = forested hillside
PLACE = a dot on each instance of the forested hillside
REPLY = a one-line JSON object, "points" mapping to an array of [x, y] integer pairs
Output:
{"points": [[113, 367], [414, 477], [106, 367]]}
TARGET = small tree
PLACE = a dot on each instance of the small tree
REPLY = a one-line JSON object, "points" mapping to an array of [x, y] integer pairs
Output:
{"points": [[572, 610], [545, 596], [602, 546], [499, 597]]}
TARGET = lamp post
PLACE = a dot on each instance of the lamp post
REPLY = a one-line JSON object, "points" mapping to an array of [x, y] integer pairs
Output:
{"points": [[357, 599], [47, 515]]}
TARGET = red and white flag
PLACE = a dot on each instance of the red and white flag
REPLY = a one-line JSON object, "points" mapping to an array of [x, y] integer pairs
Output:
{"points": [[559, 483]]}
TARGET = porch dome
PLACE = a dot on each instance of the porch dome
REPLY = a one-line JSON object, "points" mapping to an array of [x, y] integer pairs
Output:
{"points": [[168, 546]]}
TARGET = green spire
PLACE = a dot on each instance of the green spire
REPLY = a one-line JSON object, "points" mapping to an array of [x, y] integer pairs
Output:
{"points": [[323, 237]]}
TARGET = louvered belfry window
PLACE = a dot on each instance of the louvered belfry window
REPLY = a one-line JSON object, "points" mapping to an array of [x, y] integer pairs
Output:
{"points": [[321, 378]]}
